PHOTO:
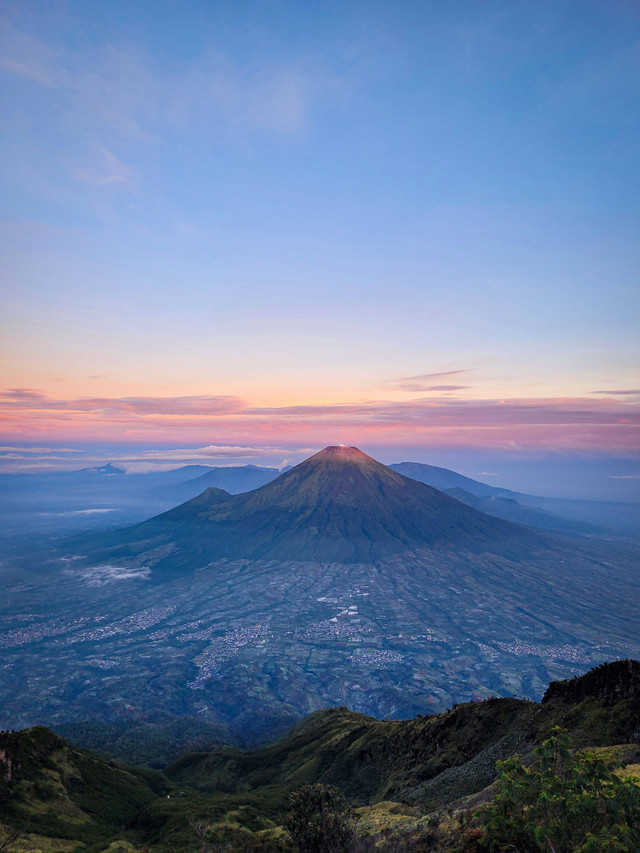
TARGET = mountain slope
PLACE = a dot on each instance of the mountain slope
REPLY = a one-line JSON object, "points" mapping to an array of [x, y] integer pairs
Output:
{"points": [[234, 479], [509, 509], [72, 800], [444, 478], [49, 787], [431, 759], [339, 506]]}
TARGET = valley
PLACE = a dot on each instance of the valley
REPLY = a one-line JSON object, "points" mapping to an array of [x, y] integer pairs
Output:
{"points": [[246, 648], [429, 602]]}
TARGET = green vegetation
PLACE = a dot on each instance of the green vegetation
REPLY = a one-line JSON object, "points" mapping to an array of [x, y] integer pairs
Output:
{"points": [[146, 744], [341, 781], [431, 760], [319, 820], [51, 789], [563, 803]]}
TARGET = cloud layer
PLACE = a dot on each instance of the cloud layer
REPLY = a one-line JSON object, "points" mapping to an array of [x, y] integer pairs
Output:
{"points": [[610, 423]]}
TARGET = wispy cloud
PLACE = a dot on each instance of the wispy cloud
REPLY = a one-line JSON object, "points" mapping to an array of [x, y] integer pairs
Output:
{"points": [[428, 377], [22, 395], [217, 94], [423, 383], [16, 448], [27, 56], [633, 392], [120, 90], [204, 405], [211, 451], [440, 387], [107, 171]]}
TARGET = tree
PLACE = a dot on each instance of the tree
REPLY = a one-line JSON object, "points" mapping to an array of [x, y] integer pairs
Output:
{"points": [[562, 804], [320, 820]]}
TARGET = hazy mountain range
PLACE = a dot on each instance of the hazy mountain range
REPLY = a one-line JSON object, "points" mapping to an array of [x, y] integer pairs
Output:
{"points": [[54, 504], [233, 479]]}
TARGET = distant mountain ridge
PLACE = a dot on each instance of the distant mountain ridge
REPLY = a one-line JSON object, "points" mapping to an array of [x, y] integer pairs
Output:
{"points": [[510, 509], [536, 512], [444, 479], [234, 479]]}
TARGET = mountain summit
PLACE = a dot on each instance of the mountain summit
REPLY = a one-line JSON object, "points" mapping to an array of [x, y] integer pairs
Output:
{"points": [[340, 506]]}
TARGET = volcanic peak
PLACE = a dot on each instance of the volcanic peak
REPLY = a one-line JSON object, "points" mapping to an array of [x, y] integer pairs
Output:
{"points": [[340, 505], [339, 457], [342, 452], [337, 476]]}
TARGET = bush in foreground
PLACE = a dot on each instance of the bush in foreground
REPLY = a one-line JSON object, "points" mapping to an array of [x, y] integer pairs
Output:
{"points": [[562, 804], [319, 820]]}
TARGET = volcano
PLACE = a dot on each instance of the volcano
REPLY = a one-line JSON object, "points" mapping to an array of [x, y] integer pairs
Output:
{"points": [[340, 582], [340, 506]]}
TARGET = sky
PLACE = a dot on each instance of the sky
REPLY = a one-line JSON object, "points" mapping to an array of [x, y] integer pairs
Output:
{"points": [[248, 230]]}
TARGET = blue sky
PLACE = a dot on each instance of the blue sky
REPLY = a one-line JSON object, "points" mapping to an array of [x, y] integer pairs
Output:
{"points": [[307, 204]]}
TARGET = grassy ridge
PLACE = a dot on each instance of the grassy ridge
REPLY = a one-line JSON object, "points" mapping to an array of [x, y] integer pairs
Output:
{"points": [[398, 774], [56, 790], [429, 759]]}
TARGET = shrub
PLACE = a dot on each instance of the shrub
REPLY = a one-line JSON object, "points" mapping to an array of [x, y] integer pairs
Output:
{"points": [[562, 804], [319, 820]]}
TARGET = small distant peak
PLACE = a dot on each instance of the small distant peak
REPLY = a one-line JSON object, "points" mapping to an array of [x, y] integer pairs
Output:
{"points": [[107, 470], [110, 468]]}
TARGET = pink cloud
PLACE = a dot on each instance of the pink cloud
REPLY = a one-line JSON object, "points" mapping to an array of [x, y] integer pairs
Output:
{"points": [[27, 398], [581, 423], [633, 392], [422, 389]]}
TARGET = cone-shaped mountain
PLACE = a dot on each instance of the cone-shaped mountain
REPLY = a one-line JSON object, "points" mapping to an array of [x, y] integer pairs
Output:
{"points": [[337, 506]]}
